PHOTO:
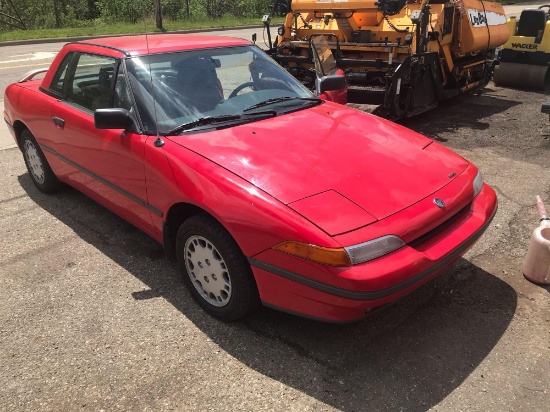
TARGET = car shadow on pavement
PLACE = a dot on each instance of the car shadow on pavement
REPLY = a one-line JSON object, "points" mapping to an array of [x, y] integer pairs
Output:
{"points": [[408, 356], [470, 111]]}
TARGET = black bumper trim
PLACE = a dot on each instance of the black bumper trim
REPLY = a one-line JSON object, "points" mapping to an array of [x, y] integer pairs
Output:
{"points": [[104, 181], [376, 294], [315, 318]]}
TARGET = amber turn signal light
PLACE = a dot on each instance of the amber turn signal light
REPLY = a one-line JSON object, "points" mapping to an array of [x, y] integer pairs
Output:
{"points": [[324, 255]]}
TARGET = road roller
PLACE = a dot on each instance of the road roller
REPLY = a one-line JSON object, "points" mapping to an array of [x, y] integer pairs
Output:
{"points": [[524, 59], [402, 55]]}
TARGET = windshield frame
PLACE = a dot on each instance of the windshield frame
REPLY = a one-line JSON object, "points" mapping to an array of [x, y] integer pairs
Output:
{"points": [[148, 85]]}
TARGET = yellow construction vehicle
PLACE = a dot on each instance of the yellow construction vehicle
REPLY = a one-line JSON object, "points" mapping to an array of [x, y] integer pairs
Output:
{"points": [[525, 58], [405, 55]]}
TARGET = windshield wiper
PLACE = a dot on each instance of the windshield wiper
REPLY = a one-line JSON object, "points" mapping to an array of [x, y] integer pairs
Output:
{"points": [[229, 119], [282, 99], [203, 121]]}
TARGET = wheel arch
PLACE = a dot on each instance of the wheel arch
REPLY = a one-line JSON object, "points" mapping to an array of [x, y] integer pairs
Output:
{"points": [[176, 215], [19, 127]]}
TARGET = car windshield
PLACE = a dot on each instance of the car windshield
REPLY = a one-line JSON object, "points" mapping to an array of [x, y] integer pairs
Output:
{"points": [[178, 91]]}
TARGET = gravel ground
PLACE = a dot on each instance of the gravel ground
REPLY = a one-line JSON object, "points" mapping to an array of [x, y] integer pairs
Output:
{"points": [[92, 317]]}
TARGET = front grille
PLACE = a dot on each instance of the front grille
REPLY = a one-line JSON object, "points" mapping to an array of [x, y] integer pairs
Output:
{"points": [[442, 226]]}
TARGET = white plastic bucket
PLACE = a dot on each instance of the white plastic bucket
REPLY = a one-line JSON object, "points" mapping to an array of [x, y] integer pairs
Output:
{"points": [[536, 267]]}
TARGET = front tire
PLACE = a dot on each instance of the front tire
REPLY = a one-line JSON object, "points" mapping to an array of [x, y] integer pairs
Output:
{"points": [[37, 165], [214, 269]]}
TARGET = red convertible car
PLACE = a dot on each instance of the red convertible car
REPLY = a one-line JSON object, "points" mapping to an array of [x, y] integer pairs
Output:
{"points": [[261, 191]]}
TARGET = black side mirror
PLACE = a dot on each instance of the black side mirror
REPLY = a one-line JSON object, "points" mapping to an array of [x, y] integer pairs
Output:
{"points": [[332, 82], [112, 119]]}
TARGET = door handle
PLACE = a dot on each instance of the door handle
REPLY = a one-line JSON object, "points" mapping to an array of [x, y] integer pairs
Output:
{"points": [[58, 121]]}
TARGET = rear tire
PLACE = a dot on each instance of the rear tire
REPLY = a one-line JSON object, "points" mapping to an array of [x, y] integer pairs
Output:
{"points": [[215, 270], [37, 165]]}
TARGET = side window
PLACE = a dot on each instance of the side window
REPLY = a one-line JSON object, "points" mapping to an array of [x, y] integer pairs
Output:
{"points": [[91, 86], [122, 97], [61, 74]]}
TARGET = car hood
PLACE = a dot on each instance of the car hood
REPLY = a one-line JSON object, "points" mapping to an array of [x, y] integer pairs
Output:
{"points": [[376, 164]]}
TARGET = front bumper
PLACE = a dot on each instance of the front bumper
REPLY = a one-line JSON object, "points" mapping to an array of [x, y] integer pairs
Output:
{"points": [[303, 287]]}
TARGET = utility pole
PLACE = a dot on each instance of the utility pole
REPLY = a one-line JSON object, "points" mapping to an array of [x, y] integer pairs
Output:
{"points": [[158, 15], [187, 12], [57, 13]]}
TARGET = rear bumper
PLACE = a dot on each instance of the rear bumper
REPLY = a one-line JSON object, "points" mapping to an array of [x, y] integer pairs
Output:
{"points": [[357, 289], [8, 123], [10, 127]]}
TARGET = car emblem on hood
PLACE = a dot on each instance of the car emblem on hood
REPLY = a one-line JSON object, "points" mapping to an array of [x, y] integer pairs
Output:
{"points": [[440, 203]]}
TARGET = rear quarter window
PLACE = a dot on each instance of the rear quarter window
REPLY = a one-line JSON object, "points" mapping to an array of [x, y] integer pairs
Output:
{"points": [[61, 73]]}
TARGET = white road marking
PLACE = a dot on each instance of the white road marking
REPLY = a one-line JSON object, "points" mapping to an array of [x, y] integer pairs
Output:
{"points": [[32, 56], [45, 64]]}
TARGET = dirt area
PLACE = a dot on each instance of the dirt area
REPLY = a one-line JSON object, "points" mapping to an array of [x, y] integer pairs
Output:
{"points": [[92, 317]]}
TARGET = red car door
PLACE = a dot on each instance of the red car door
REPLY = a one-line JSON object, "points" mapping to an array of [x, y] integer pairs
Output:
{"points": [[107, 164]]}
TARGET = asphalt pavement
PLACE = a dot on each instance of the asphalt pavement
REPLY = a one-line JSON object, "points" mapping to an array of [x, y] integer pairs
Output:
{"points": [[92, 317]]}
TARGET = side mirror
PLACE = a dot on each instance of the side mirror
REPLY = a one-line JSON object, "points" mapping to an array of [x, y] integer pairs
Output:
{"points": [[332, 82], [112, 119]]}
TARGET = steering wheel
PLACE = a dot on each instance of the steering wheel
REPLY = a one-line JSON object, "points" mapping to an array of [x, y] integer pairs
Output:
{"points": [[235, 92]]}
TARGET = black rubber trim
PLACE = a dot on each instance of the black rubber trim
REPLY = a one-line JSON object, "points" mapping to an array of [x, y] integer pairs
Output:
{"points": [[49, 92], [104, 181], [126, 53], [376, 294]]}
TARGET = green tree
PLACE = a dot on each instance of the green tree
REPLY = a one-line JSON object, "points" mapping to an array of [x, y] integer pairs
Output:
{"points": [[125, 10], [46, 14]]}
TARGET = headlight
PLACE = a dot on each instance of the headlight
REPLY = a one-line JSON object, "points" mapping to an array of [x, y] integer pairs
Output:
{"points": [[374, 248], [478, 183], [351, 255]]}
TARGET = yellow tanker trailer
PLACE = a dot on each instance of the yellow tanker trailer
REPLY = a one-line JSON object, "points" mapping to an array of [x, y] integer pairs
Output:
{"points": [[403, 55]]}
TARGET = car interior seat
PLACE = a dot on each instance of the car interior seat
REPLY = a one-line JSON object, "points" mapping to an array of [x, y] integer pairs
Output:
{"points": [[104, 88], [198, 83]]}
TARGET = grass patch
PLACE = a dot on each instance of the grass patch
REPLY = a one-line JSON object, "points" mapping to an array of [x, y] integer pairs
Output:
{"points": [[99, 28]]}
